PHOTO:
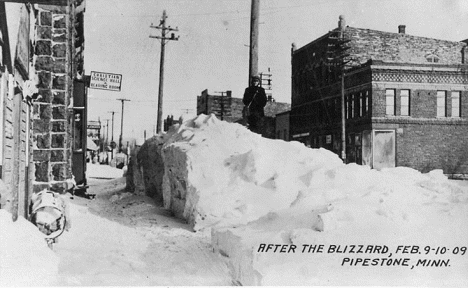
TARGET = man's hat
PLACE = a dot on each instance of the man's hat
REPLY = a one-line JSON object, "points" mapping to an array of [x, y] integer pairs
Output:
{"points": [[255, 77]]}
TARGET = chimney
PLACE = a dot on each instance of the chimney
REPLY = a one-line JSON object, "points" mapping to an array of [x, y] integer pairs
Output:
{"points": [[401, 29], [342, 23]]}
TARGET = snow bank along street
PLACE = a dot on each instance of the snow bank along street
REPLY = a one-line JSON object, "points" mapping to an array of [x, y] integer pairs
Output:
{"points": [[273, 213], [281, 213]]}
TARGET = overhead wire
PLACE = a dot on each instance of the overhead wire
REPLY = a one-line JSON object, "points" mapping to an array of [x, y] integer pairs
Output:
{"points": [[148, 48]]}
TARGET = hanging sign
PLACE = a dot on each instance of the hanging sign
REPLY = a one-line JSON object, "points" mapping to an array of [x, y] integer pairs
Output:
{"points": [[105, 81]]}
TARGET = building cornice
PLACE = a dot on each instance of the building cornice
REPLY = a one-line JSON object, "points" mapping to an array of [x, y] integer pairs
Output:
{"points": [[420, 121]]}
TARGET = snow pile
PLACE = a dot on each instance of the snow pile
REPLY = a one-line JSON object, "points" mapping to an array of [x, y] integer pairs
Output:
{"points": [[256, 191], [25, 259], [393, 208], [221, 174]]}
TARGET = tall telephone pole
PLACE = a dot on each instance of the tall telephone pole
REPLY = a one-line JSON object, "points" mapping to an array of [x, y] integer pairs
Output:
{"points": [[121, 124], [112, 139], [339, 58], [106, 142], [164, 40], [253, 57]]}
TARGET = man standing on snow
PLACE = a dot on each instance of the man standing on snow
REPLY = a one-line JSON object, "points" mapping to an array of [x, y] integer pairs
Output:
{"points": [[254, 100]]}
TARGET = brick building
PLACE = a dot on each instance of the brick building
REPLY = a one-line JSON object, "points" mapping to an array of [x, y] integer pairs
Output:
{"points": [[406, 99], [228, 108], [222, 105], [169, 121], [41, 60]]}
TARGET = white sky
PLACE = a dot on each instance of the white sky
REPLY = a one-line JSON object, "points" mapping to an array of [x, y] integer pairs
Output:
{"points": [[212, 51]]}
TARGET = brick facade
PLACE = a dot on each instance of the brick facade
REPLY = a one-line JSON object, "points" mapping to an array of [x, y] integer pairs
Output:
{"points": [[384, 61]]}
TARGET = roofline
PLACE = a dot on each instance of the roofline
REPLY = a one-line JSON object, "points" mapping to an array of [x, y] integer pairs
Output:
{"points": [[465, 42], [405, 34], [313, 42]]}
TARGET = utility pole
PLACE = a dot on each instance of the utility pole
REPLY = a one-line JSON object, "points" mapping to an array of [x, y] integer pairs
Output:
{"points": [[253, 57], [99, 136], [163, 40], [338, 58], [112, 140], [107, 132], [121, 123]]}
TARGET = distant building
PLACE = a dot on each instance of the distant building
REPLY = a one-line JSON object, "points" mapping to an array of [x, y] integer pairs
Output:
{"points": [[220, 105], [229, 109], [169, 121], [94, 132], [282, 125], [272, 109], [406, 99]]}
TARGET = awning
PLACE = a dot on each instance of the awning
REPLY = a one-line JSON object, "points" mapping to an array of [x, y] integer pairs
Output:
{"points": [[90, 145]]}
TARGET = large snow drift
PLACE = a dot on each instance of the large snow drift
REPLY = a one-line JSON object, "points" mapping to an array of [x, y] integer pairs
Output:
{"points": [[25, 259], [256, 191], [222, 174]]}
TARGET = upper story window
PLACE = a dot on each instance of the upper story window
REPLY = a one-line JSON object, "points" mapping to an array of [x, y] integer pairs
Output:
{"points": [[357, 105], [441, 103], [366, 100], [456, 104], [390, 102], [405, 102], [347, 107], [432, 58], [361, 104]]}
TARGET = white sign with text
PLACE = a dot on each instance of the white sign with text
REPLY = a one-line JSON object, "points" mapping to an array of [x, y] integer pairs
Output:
{"points": [[105, 81]]}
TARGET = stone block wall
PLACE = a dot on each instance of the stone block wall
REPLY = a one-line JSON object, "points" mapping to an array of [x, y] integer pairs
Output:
{"points": [[51, 126]]}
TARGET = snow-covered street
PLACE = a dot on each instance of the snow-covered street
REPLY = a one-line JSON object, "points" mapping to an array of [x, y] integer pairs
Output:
{"points": [[125, 240]]}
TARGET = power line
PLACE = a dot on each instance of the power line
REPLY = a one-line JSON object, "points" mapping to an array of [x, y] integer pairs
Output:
{"points": [[144, 101], [264, 11]]}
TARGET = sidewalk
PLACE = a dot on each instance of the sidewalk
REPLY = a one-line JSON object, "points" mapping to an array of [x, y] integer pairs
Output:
{"points": [[123, 239]]}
